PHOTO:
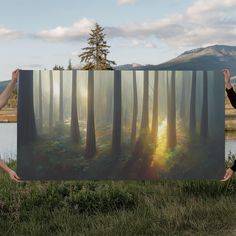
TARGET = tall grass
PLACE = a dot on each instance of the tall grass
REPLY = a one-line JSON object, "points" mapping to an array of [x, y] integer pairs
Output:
{"points": [[117, 207]]}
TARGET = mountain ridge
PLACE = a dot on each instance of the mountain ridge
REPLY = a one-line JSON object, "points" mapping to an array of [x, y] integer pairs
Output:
{"points": [[216, 57]]}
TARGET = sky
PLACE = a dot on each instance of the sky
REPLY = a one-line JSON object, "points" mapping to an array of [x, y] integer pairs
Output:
{"points": [[39, 34]]}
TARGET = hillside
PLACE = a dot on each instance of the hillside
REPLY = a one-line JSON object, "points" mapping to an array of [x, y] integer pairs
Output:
{"points": [[214, 57]]}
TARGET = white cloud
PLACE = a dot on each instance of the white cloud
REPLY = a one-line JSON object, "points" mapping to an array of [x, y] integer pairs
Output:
{"points": [[202, 6], [138, 43], [30, 66], [8, 33], [123, 2], [78, 31], [203, 22]]}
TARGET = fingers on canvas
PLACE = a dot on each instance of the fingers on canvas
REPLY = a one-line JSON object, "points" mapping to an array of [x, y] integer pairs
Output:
{"points": [[226, 178], [228, 175], [16, 71], [15, 178]]}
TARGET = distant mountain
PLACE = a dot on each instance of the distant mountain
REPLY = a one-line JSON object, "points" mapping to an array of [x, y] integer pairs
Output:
{"points": [[215, 57], [128, 66]]}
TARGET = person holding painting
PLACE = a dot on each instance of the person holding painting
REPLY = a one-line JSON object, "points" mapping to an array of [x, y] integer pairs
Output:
{"points": [[232, 97], [8, 90], [4, 96]]}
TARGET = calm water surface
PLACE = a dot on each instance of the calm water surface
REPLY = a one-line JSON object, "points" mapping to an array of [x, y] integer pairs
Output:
{"points": [[8, 140]]}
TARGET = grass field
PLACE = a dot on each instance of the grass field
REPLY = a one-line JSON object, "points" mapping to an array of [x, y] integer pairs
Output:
{"points": [[117, 208], [8, 115]]}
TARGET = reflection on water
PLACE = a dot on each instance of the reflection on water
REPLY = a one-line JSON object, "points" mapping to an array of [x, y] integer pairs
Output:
{"points": [[230, 143], [230, 146], [8, 140]]}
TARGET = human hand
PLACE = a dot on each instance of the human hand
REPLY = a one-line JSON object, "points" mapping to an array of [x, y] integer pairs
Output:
{"points": [[13, 176], [229, 174], [15, 75]]}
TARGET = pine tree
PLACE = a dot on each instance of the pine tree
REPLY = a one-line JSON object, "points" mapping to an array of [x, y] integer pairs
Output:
{"points": [[57, 67], [95, 55], [69, 67]]}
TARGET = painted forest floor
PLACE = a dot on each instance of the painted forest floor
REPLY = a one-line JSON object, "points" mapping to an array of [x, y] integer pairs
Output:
{"points": [[54, 156], [117, 207]]}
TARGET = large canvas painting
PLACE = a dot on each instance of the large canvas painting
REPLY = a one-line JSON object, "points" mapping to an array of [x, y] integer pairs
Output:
{"points": [[120, 125]]}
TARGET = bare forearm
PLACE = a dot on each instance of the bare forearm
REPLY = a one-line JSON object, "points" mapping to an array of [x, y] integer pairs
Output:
{"points": [[4, 167], [7, 93]]}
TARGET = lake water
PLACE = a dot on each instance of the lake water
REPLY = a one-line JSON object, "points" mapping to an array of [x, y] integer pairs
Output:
{"points": [[230, 145], [8, 141]]}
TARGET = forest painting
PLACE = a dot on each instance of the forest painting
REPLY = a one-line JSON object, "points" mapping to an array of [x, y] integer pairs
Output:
{"points": [[120, 125]]}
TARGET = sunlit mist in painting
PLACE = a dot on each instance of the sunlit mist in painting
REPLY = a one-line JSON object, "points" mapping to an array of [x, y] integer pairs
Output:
{"points": [[75, 124]]}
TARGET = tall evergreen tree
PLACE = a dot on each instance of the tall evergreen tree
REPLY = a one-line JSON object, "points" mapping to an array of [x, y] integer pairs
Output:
{"points": [[26, 126], [61, 109], [117, 110], [204, 116], [145, 108], [192, 116], [69, 67], [57, 67], [74, 128], [40, 128], [91, 135], [95, 55], [171, 114], [155, 107], [51, 101], [135, 109]]}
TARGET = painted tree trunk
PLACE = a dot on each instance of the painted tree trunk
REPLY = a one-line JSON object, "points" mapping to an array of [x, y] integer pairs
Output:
{"points": [[145, 111], [26, 127], [182, 101], [61, 108], [155, 107], [171, 125], [218, 102], [135, 109], [74, 128], [192, 115], [108, 110], [168, 107], [51, 102], [116, 132], [40, 128], [204, 118], [91, 137]]}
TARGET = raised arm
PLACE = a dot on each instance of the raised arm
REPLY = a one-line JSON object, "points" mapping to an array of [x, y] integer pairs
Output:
{"points": [[4, 96], [229, 88], [232, 97]]}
